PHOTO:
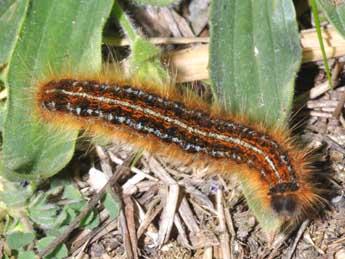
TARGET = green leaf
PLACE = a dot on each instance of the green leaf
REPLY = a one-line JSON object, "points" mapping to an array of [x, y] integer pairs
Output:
{"points": [[2, 115], [316, 17], [11, 224], [71, 195], [18, 240], [47, 215], [14, 194], [112, 203], [254, 56], [143, 51], [145, 62], [59, 252], [12, 14], [56, 232], [335, 14], [160, 3], [71, 192], [56, 34], [26, 255], [145, 57], [91, 220]]}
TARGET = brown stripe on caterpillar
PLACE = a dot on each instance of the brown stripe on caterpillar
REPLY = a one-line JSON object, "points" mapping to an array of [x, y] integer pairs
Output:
{"points": [[192, 130]]}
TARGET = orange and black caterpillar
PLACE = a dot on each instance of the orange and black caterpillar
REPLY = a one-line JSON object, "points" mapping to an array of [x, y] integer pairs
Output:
{"points": [[166, 122]]}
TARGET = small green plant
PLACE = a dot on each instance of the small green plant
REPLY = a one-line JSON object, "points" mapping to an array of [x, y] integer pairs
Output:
{"points": [[24, 210]]}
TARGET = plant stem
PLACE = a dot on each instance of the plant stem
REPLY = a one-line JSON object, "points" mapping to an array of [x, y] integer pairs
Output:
{"points": [[124, 21], [318, 30]]}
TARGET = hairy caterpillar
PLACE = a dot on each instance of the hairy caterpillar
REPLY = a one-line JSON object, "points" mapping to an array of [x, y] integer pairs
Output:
{"points": [[164, 121]]}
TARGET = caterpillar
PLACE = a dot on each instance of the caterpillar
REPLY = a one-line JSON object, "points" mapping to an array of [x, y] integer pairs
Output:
{"points": [[164, 121]]}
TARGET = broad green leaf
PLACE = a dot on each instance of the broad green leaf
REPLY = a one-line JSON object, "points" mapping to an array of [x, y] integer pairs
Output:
{"points": [[335, 13], [75, 200], [76, 205], [56, 232], [112, 203], [14, 194], [91, 220], [11, 224], [59, 252], [70, 192], [2, 114], [56, 34], [12, 14], [254, 56], [145, 62], [71, 214], [18, 240], [155, 2], [26, 255], [46, 214]]}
